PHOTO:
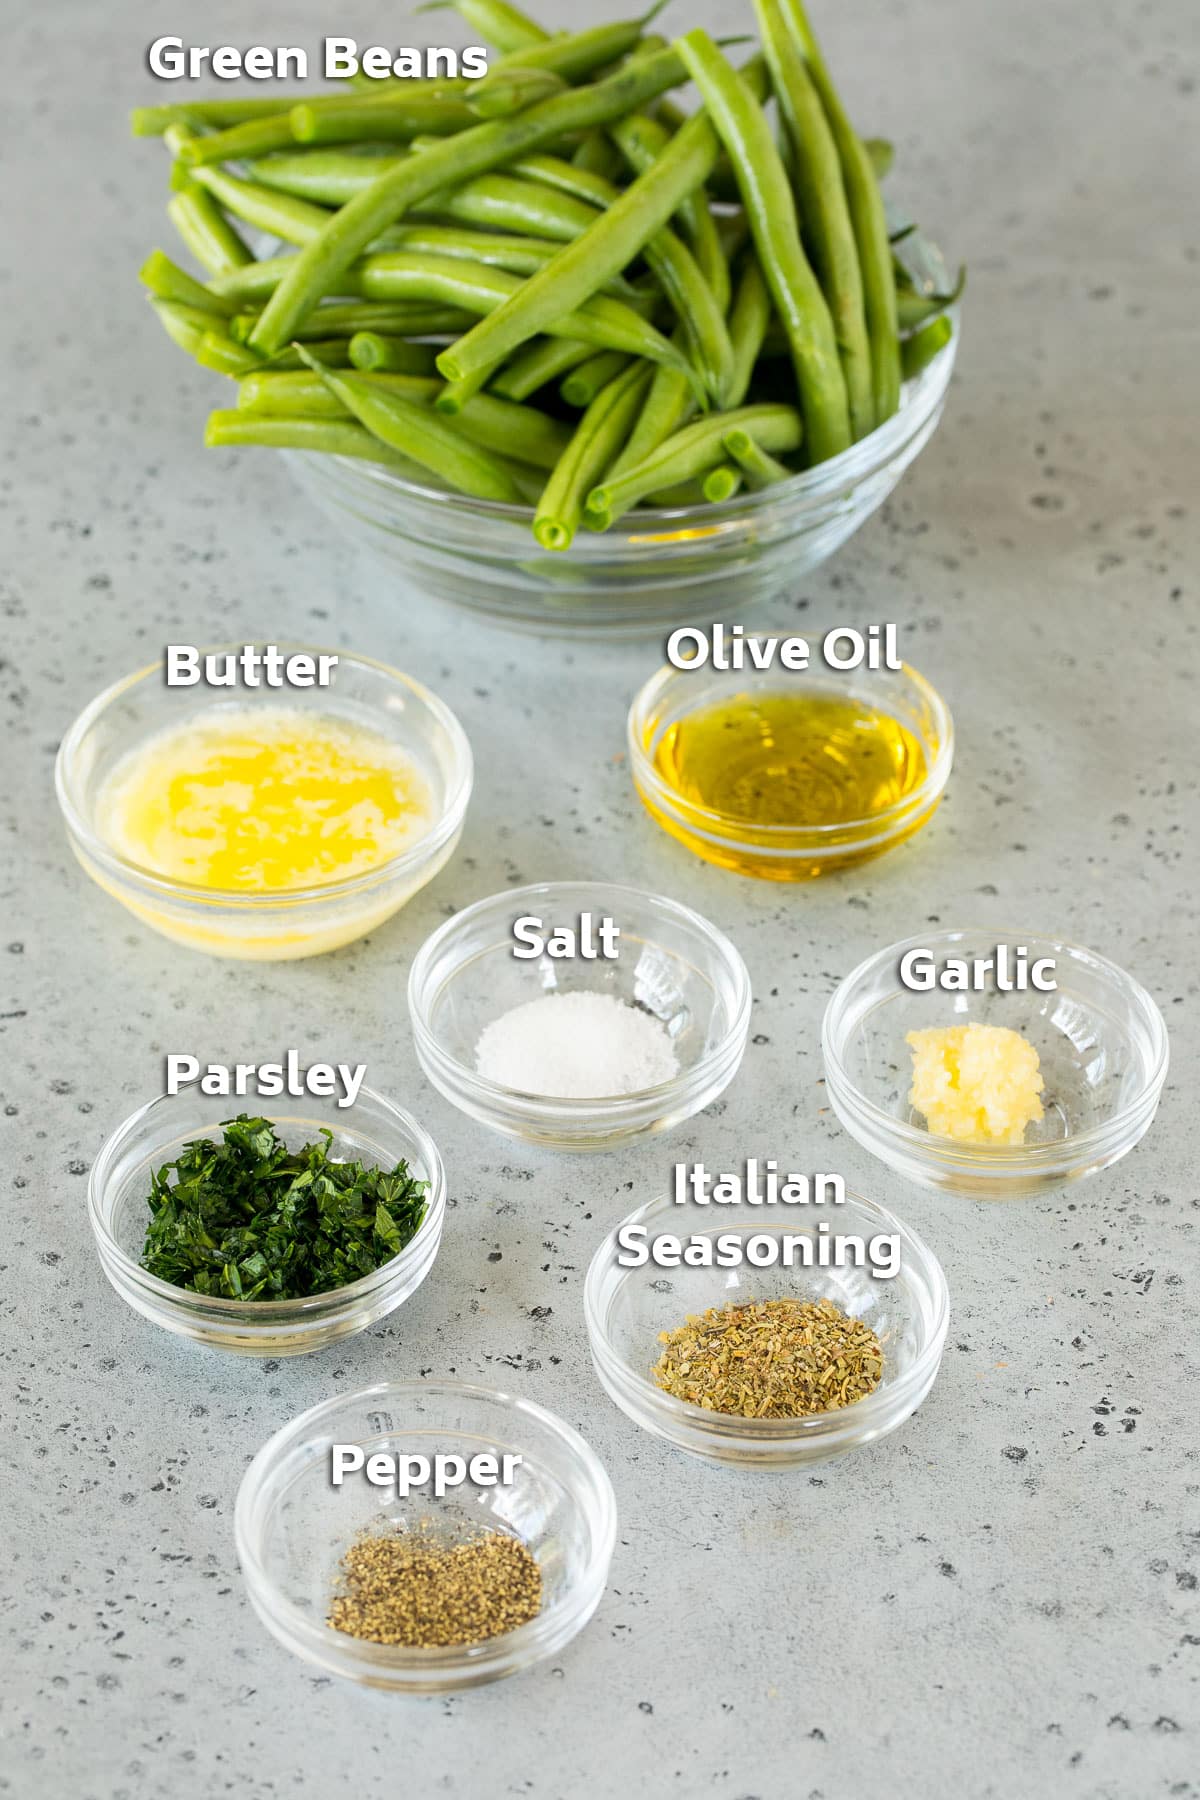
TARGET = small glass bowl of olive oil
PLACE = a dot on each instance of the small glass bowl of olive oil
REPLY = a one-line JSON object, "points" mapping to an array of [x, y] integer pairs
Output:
{"points": [[788, 776]]}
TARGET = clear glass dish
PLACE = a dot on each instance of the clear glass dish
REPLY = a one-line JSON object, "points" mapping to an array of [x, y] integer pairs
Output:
{"points": [[267, 927], [371, 1130], [625, 1310], [1100, 1038], [785, 852], [293, 1526], [655, 568], [670, 961]]}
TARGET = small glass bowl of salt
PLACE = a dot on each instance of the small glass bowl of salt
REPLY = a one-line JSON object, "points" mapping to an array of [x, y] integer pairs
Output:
{"points": [[579, 1052]]}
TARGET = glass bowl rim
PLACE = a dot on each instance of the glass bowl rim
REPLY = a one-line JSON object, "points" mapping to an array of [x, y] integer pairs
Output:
{"points": [[149, 881], [876, 1406], [820, 482], [993, 1158], [728, 825], [265, 1312], [555, 1106], [436, 1658]]}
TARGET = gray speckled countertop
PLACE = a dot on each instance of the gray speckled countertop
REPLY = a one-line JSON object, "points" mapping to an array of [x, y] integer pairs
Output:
{"points": [[1000, 1600]]}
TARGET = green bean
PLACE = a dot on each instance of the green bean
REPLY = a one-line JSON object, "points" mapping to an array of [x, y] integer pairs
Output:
{"points": [[882, 155], [914, 308], [667, 405], [167, 281], [500, 250], [421, 435], [345, 318], [597, 438], [565, 178], [500, 23], [641, 141], [580, 53], [334, 352], [185, 325], [321, 264], [295, 221], [721, 483], [759, 468], [506, 91], [496, 202], [693, 300], [604, 323], [373, 351], [582, 385], [329, 177], [869, 220], [240, 143], [306, 396], [918, 351], [618, 235], [596, 156], [748, 321], [517, 431], [693, 452], [154, 121], [823, 209], [544, 361], [455, 395], [206, 231], [521, 432], [375, 118], [217, 350], [772, 214], [332, 437]]}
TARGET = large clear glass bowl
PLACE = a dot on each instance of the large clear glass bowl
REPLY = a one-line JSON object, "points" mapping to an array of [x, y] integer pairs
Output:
{"points": [[293, 1526], [653, 569]]}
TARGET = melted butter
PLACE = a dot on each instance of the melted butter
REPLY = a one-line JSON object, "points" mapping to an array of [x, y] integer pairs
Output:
{"points": [[265, 801]]}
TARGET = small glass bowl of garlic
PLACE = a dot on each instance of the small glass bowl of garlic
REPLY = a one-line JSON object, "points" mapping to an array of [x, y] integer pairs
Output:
{"points": [[902, 1029]]}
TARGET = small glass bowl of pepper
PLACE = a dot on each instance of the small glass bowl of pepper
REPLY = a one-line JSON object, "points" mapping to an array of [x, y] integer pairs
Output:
{"points": [[372, 1131], [294, 1526]]}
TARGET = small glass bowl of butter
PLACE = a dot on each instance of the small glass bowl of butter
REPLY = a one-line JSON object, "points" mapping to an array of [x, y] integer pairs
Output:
{"points": [[1101, 1048], [264, 822]]}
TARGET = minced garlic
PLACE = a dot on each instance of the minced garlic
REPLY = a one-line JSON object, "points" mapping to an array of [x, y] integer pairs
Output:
{"points": [[977, 1083]]}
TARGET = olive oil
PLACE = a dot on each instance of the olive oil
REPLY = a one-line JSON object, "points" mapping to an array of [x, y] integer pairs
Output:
{"points": [[786, 772]]}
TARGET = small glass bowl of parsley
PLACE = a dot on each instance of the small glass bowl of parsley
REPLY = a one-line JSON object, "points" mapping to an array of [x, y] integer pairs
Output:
{"points": [[267, 1236]]}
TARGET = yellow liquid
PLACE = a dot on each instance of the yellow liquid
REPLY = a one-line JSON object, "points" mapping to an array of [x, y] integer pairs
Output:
{"points": [[265, 801], [789, 762]]}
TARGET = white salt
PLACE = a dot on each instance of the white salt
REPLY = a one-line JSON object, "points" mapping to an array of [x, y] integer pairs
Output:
{"points": [[578, 1046]]}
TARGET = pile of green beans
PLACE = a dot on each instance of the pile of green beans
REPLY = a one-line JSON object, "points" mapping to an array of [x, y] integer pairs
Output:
{"points": [[552, 288]]}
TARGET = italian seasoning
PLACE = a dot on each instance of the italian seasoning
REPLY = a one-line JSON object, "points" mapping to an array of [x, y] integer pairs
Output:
{"points": [[771, 1359], [413, 1589]]}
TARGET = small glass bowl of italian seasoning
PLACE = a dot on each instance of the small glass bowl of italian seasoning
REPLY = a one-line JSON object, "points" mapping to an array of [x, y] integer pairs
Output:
{"points": [[583, 1052], [372, 1132], [714, 1353], [424, 1592]]}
